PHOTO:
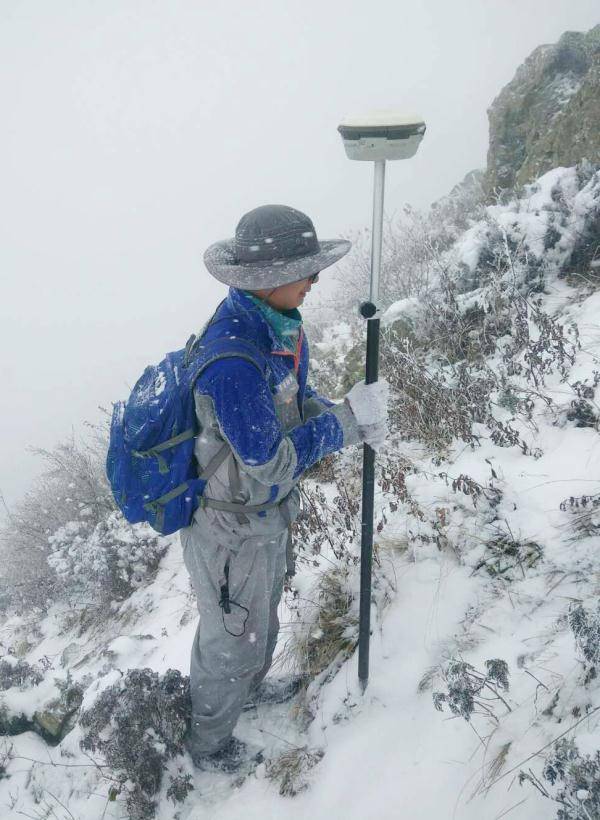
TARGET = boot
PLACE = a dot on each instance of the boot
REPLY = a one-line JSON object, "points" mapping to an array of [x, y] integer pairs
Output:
{"points": [[231, 758]]}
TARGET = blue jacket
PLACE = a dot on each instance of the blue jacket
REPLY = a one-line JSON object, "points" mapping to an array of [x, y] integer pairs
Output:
{"points": [[276, 424]]}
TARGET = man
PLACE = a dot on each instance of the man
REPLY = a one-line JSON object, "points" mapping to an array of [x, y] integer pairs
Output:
{"points": [[274, 426]]}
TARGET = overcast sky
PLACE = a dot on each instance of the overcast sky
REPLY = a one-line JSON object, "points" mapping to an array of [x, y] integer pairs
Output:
{"points": [[134, 134]]}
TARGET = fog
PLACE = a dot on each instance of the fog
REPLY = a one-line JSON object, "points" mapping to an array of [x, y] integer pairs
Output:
{"points": [[137, 133]]}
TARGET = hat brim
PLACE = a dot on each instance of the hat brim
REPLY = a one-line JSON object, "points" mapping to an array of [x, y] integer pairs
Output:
{"points": [[221, 263]]}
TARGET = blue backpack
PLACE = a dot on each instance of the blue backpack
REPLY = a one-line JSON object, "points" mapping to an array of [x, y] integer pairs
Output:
{"points": [[150, 463]]}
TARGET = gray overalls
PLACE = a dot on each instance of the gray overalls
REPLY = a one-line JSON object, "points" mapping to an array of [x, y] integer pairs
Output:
{"points": [[237, 564]]}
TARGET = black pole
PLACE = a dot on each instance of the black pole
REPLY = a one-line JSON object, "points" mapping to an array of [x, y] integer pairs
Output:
{"points": [[368, 311]]}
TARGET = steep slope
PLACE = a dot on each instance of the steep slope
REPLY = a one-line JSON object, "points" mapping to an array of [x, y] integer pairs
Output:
{"points": [[486, 581]]}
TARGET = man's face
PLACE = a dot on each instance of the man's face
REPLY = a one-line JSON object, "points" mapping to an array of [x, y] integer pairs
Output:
{"points": [[286, 297]]}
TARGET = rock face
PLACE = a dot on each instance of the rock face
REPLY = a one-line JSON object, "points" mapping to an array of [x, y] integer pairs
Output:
{"points": [[57, 718], [549, 114]]}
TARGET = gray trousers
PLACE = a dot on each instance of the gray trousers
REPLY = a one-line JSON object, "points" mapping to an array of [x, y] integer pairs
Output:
{"points": [[232, 652]]}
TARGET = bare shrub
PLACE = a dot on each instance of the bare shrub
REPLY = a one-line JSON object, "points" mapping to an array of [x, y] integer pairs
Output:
{"points": [[322, 521], [551, 349], [331, 509], [322, 471], [432, 405]]}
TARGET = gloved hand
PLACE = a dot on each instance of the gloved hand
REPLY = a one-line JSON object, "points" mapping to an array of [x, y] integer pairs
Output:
{"points": [[374, 434], [369, 405]]}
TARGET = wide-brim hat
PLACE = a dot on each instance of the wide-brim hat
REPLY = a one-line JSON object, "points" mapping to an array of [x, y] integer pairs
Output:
{"points": [[273, 245]]}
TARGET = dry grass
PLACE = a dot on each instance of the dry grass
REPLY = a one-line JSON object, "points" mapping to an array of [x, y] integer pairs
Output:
{"points": [[428, 678], [333, 635], [290, 769], [498, 762]]}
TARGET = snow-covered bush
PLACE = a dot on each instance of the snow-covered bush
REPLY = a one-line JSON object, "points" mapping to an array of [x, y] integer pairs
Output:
{"points": [[59, 714], [66, 541], [50, 713], [139, 724], [549, 228], [454, 360], [582, 413], [578, 794], [583, 410], [179, 787], [16, 672], [470, 692], [585, 625], [457, 355], [72, 487], [338, 359], [413, 253], [106, 564], [584, 260], [543, 228]]}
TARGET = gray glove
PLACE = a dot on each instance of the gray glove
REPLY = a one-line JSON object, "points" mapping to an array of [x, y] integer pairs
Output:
{"points": [[369, 405], [374, 435]]}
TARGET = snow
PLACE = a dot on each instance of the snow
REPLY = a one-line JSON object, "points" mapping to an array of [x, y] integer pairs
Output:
{"points": [[403, 308], [337, 340], [30, 700], [469, 246], [526, 221], [388, 753], [160, 383]]}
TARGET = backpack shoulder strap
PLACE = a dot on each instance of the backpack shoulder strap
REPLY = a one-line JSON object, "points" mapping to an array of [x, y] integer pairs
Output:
{"points": [[227, 348], [215, 462]]}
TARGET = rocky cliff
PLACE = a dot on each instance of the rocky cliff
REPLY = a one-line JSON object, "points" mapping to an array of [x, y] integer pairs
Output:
{"points": [[549, 114]]}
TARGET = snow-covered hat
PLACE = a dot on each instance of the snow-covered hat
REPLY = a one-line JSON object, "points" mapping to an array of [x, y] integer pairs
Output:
{"points": [[273, 245]]}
